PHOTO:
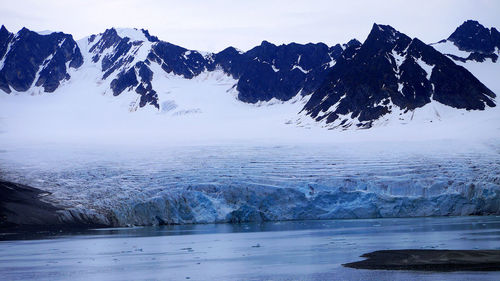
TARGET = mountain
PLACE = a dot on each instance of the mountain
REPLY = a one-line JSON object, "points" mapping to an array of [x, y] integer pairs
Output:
{"points": [[475, 48], [125, 57], [263, 73], [269, 71], [32, 60], [124, 61], [471, 41], [389, 78], [391, 73], [472, 36]]}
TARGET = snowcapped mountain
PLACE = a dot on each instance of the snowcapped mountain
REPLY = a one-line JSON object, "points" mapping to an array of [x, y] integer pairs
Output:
{"points": [[476, 48], [473, 37], [30, 60], [263, 73], [125, 57], [390, 78], [390, 73], [269, 71]]}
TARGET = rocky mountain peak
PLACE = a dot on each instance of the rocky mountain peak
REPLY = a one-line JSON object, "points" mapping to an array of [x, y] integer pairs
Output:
{"points": [[391, 73], [472, 36]]}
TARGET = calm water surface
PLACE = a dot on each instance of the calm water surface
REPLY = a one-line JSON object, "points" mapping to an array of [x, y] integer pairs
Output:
{"points": [[110, 181], [297, 250]]}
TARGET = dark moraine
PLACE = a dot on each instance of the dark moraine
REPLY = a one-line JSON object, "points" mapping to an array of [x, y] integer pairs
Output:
{"points": [[431, 260], [23, 205], [22, 209]]}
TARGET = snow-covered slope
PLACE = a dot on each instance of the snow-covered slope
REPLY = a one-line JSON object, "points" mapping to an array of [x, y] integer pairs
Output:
{"points": [[421, 159], [132, 87], [487, 71], [476, 48], [195, 110], [388, 78], [29, 60]]}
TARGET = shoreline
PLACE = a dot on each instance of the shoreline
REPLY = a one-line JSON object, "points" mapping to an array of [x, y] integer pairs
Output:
{"points": [[430, 260], [23, 211]]}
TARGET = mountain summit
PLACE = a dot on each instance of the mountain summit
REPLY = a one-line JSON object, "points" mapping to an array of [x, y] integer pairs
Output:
{"points": [[392, 73], [472, 36], [390, 76], [29, 59]]}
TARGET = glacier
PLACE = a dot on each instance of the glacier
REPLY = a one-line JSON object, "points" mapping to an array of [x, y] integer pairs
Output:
{"points": [[207, 157], [243, 183]]}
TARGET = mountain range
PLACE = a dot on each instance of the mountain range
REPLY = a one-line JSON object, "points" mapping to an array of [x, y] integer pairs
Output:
{"points": [[353, 85]]}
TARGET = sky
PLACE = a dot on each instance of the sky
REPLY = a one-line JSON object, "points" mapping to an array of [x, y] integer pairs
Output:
{"points": [[214, 25]]}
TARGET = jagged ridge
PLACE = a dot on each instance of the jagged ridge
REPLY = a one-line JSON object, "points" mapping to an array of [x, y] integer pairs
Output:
{"points": [[354, 84], [32, 60], [392, 72]]}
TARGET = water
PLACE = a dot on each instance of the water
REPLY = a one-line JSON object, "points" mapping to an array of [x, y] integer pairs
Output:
{"points": [[149, 185], [296, 250]]}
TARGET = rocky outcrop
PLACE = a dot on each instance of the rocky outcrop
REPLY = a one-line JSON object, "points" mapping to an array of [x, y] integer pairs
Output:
{"points": [[392, 72], [32, 60]]}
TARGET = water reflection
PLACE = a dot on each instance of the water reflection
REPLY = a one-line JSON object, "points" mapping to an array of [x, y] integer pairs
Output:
{"points": [[293, 250]]}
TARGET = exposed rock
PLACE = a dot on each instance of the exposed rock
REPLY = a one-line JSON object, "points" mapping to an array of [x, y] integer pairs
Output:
{"points": [[472, 36], [30, 59], [430, 260], [391, 71]]}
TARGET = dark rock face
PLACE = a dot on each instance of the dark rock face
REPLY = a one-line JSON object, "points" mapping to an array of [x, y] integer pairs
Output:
{"points": [[5, 38], [28, 56], [145, 89], [129, 79], [264, 72], [392, 70], [479, 57], [124, 80], [119, 54], [150, 37], [471, 36], [352, 84], [178, 60], [115, 59], [24, 212], [269, 71], [22, 205], [108, 39]]}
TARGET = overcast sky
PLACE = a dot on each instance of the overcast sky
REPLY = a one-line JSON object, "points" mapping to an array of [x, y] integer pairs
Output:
{"points": [[214, 25]]}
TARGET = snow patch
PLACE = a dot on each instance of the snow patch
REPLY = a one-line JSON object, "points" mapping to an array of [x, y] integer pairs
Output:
{"points": [[426, 67], [331, 108], [46, 32], [400, 87], [2, 60], [300, 68], [133, 34], [398, 58], [448, 47]]}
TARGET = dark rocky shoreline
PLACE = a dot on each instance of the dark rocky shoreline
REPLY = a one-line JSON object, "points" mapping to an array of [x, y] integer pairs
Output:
{"points": [[24, 213], [23, 205], [430, 260]]}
